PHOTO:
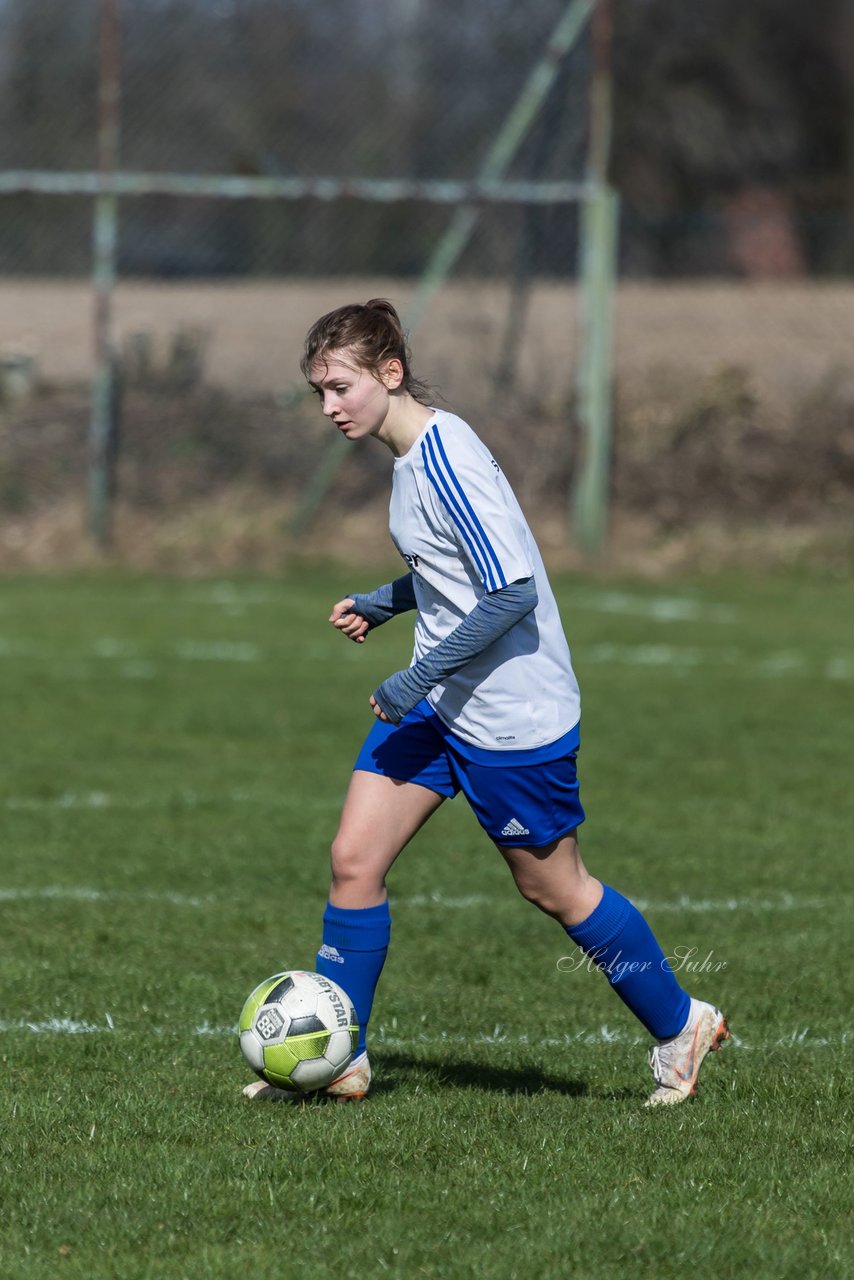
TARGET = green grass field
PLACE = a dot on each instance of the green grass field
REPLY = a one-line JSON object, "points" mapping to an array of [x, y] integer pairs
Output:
{"points": [[175, 754]]}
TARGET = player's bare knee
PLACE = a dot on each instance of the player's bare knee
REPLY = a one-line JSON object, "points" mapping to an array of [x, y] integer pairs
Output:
{"points": [[350, 861], [537, 894], [345, 858]]}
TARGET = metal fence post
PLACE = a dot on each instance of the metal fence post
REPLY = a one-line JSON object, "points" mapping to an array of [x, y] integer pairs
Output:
{"points": [[597, 272], [103, 431], [595, 365]]}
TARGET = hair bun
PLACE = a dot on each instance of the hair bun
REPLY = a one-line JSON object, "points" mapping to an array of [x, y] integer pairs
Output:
{"points": [[383, 304]]}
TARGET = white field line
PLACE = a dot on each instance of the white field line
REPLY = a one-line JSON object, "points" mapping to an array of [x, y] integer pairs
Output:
{"points": [[67, 800], [777, 664], [217, 651], [128, 655], [799, 1037], [227, 595], [133, 664], [60, 893], [234, 594], [187, 798], [715, 906], [659, 609], [54, 1027], [231, 595]]}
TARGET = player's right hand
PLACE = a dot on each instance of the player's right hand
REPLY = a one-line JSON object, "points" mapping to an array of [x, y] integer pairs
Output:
{"points": [[352, 625]]}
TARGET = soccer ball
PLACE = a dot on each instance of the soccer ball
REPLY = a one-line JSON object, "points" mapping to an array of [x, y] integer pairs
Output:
{"points": [[298, 1030]]}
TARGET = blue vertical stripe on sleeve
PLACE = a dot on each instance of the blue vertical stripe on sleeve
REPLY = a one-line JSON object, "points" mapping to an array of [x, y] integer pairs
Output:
{"points": [[445, 481], [490, 551], [448, 501]]}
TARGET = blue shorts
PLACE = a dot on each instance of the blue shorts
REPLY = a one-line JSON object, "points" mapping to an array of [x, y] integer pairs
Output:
{"points": [[526, 805]]}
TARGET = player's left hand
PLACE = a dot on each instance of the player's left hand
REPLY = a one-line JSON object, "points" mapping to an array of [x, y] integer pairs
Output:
{"points": [[378, 711]]}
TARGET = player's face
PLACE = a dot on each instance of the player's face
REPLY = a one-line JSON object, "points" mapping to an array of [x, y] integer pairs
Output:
{"points": [[352, 397]]}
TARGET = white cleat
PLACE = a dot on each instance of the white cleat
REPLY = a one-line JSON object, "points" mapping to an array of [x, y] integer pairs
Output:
{"points": [[354, 1083], [676, 1063], [351, 1086], [261, 1091]]}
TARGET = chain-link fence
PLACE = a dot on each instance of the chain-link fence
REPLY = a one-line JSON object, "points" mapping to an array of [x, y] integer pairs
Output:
{"points": [[213, 295], [278, 88]]}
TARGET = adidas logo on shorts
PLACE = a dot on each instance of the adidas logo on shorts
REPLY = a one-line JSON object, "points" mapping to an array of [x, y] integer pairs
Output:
{"points": [[515, 828]]}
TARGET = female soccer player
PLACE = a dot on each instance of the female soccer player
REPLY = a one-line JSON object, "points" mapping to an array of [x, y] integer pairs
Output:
{"points": [[489, 706]]}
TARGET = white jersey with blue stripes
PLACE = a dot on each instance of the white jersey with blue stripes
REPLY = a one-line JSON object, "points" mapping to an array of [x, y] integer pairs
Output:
{"points": [[457, 524]]}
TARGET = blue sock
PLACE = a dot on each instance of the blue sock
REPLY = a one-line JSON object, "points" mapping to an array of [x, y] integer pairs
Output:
{"points": [[355, 942], [620, 942]]}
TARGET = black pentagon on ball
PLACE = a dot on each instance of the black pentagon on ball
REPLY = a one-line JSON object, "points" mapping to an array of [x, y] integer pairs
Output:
{"points": [[280, 990], [268, 1022], [306, 1026]]}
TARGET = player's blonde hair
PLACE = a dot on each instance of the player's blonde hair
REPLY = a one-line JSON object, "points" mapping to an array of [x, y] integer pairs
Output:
{"points": [[369, 334]]}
